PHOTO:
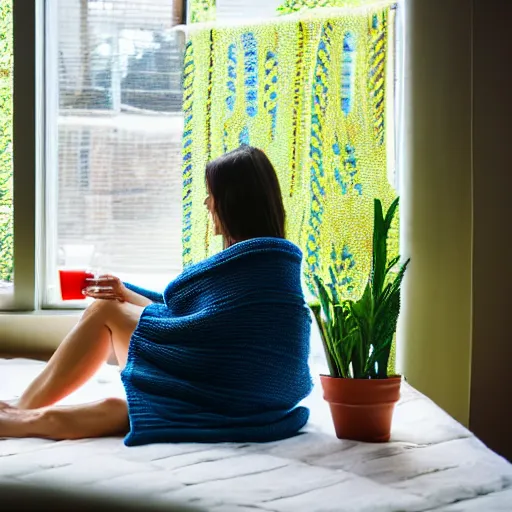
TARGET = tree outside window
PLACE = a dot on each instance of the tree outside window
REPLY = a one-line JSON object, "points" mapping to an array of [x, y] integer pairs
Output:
{"points": [[6, 214]]}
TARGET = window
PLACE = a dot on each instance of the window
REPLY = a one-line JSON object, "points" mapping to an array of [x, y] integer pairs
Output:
{"points": [[240, 10], [113, 146], [6, 210], [100, 123], [99, 120]]}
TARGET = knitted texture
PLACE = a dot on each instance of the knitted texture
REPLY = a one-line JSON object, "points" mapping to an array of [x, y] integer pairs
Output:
{"points": [[223, 355]]}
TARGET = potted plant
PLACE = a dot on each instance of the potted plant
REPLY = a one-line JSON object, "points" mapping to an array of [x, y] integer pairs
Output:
{"points": [[357, 336]]}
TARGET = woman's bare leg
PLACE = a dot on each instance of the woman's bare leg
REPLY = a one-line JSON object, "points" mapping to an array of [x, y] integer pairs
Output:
{"points": [[105, 325], [107, 417]]}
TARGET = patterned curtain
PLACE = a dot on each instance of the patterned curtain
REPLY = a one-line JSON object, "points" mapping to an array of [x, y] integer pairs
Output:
{"points": [[293, 6], [202, 11], [315, 92]]}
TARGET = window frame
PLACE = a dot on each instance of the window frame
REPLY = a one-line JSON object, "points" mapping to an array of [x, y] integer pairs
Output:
{"points": [[33, 203], [27, 116]]}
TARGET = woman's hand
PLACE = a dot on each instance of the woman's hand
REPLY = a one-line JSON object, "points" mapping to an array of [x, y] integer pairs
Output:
{"points": [[106, 287]]}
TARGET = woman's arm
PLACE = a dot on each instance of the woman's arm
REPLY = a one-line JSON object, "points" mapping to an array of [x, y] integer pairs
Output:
{"points": [[109, 287], [144, 295], [136, 298]]}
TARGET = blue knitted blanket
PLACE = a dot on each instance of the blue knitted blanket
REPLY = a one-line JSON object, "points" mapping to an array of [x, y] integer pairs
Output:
{"points": [[222, 355]]}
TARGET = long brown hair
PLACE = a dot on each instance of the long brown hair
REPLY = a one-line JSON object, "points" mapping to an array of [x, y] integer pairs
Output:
{"points": [[246, 194]]}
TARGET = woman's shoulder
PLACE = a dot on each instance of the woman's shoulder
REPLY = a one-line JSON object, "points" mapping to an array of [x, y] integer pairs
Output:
{"points": [[253, 252], [247, 252], [257, 245], [271, 243]]}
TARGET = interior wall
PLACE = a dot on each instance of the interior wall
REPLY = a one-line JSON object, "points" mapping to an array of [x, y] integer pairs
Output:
{"points": [[491, 369], [436, 213]]}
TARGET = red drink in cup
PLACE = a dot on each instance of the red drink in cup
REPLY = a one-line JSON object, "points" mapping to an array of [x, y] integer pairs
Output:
{"points": [[72, 282]]}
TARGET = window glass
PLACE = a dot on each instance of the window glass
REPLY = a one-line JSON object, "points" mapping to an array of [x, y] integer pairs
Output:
{"points": [[113, 170]]}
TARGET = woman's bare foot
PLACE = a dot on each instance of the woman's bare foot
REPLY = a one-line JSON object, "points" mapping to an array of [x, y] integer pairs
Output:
{"points": [[16, 422]]}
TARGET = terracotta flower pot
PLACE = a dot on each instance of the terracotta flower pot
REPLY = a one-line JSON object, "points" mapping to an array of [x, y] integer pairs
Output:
{"points": [[362, 409]]}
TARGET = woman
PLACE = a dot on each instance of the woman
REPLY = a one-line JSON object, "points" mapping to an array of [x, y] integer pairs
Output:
{"points": [[221, 355]]}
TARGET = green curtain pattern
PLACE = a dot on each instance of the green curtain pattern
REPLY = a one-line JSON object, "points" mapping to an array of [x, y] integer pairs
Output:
{"points": [[293, 6], [6, 183]]}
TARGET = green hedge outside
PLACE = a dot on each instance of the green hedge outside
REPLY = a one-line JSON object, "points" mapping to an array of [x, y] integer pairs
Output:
{"points": [[6, 220]]}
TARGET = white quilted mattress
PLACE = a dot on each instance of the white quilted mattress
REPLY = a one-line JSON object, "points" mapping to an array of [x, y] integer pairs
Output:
{"points": [[432, 463]]}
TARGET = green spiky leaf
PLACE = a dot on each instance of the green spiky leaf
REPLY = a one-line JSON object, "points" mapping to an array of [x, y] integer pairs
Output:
{"points": [[358, 334]]}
